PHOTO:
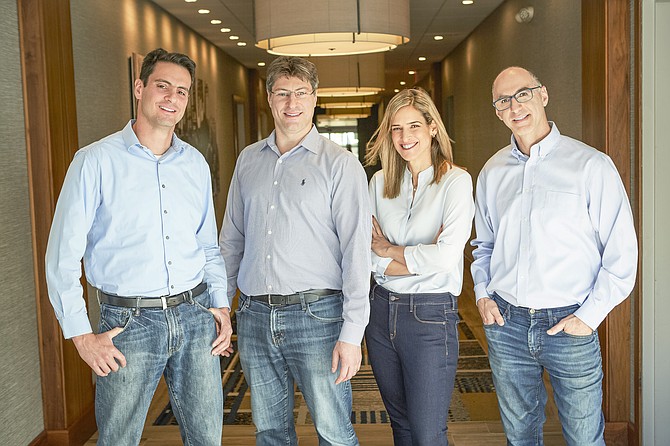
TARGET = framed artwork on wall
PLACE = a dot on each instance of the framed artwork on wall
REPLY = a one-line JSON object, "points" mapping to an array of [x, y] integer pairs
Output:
{"points": [[239, 125]]}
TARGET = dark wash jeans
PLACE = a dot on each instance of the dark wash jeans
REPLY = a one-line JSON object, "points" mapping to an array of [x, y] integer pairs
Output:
{"points": [[412, 342]]}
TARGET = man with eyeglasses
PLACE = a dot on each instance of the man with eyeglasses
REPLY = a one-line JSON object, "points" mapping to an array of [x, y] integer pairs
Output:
{"points": [[296, 240], [556, 251], [137, 206]]}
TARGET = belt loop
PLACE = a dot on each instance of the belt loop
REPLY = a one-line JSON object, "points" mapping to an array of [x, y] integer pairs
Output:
{"points": [[411, 303], [164, 302], [97, 296], [190, 297], [303, 305], [137, 306]]}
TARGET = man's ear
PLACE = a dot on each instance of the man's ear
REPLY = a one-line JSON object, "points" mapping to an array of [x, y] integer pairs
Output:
{"points": [[139, 86], [545, 96]]}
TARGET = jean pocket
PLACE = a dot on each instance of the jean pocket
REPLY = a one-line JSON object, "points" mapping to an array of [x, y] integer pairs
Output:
{"points": [[430, 314], [326, 310], [574, 336], [113, 317]]}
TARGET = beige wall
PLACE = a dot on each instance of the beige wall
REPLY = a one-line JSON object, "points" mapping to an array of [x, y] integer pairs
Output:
{"points": [[105, 34], [21, 417], [550, 46]]}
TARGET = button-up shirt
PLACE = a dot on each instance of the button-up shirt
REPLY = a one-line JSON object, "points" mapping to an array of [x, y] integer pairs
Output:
{"points": [[554, 229], [300, 221], [414, 219], [144, 226]]}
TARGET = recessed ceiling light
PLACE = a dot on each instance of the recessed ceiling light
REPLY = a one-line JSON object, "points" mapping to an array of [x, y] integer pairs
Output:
{"points": [[261, 64], [422, 59], [438, 37], [402, 82], [203, 11], [215, 22], [468, 2], [241, 43], [234, 37], [190, 1], [225, 30], [411, 72], [396, 91]]}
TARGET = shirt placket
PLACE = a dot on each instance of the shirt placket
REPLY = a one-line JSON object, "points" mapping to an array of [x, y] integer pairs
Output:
{"points": [[523, 268], [166, 227], [270, 246]]}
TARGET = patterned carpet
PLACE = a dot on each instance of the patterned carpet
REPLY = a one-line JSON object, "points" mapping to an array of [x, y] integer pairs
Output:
{"points": [[473, 381]]}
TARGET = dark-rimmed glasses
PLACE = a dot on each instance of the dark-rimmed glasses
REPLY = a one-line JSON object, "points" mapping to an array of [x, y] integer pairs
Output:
{"points": [[521, 96]]}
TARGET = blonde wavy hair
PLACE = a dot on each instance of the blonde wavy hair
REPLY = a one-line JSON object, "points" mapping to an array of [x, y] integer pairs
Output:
{"points": [[380, 147]]}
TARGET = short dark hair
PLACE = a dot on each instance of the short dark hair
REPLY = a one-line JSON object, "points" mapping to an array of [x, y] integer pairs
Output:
{"points": [[291, 66], [160, 55]]}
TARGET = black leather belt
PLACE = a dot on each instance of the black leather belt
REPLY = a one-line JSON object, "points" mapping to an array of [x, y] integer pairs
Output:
{"points": [[309, 296], [149, 302]]}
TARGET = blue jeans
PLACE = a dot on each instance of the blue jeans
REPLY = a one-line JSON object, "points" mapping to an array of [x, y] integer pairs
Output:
{"points": [[283, 345], [175, 342], [520, 351], [412, 343]]}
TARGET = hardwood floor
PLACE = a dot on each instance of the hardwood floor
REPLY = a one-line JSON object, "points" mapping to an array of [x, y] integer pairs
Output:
{"points": [[482, 432]]}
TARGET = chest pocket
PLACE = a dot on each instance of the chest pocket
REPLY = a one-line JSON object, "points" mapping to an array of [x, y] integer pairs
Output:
{"points": [[562, 206]]}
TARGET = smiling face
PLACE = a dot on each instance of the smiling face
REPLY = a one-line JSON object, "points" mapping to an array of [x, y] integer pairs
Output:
{"points": [[292, 116], [527, 120], [413, 137], [162, 102]]}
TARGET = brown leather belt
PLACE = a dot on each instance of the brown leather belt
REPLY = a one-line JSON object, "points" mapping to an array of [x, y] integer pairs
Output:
{"points": [[149, 302]]}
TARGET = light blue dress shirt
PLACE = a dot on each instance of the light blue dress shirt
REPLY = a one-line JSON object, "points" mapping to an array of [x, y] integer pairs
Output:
{"points": [[554, 229], [413, 220], [300, 221], [144, 227]]}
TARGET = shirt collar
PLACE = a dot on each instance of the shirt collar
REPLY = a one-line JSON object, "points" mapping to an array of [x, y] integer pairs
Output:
{"points": [[425, 176], [542, 148], [130, 140], [311, 142]]}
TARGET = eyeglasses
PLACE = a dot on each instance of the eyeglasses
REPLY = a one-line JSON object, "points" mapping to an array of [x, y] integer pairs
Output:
{"points": [[284, 95], [521, 96]]}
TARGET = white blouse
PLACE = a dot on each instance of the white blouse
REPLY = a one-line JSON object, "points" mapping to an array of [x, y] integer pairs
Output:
{"points": [[414, 222]]}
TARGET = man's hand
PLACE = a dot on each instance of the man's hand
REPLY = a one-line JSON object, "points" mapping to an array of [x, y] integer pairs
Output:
{"points": [[98, 351], [222, 344], [489, 311], [571, 325], [348, 357]]}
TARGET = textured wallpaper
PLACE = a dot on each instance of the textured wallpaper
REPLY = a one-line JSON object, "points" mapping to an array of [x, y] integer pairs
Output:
{"points": [[20, 386]]}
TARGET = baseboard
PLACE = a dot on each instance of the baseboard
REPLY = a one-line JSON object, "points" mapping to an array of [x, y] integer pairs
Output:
{"points": [[77, 434], [40, 440], [616, 433]]}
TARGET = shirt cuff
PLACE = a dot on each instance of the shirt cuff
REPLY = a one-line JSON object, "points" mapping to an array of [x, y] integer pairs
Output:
{"points": [[383, 263], [587, 314], [76, 325], [219, 299], [481, 291], [410, 262], [351, 333]]}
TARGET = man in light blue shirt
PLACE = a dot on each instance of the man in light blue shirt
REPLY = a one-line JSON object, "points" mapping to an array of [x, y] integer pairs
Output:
{"points": [[137, 207], [296, 240], [556, 251]]}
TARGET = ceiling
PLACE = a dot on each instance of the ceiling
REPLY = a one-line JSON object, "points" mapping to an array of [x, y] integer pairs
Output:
{"points": [[428, 18]]}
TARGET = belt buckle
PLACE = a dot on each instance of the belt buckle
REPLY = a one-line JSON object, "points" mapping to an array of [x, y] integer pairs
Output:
{"points": [[269, 300]]}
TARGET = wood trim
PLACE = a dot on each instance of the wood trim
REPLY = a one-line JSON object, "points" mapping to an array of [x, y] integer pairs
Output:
{"points": [[51, 140], [606, 117], [40, 440], [616, 434]]}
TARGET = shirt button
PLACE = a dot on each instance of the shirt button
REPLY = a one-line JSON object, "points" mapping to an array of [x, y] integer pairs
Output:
{"points": [[272, 206], [165, 211], [172, 286], [269, 287], [281, 161], [167, 237], [163, 186], [169, 262], [275, 183], [269, 256], [269, 232]]}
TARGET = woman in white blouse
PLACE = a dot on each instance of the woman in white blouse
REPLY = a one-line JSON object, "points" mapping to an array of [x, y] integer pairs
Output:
{"points": [[422, 211]]}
